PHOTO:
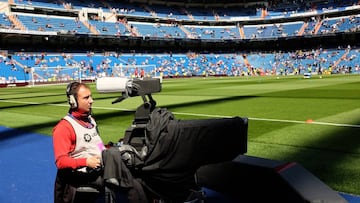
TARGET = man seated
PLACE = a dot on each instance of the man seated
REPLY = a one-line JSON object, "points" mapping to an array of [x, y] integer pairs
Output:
{"points": [[77, 146]]}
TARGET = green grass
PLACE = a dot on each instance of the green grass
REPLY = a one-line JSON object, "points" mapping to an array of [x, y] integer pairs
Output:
{"points": [[277, 110]]}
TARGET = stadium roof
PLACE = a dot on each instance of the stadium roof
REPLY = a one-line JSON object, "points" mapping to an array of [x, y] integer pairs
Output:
{"points": [[203, 3]]}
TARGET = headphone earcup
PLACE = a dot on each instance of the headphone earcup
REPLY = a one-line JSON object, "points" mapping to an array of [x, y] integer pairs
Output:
{"points": [[72, 101]]}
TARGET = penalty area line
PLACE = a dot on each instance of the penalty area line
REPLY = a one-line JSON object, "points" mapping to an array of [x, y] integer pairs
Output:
{"points": [[274, 120]]}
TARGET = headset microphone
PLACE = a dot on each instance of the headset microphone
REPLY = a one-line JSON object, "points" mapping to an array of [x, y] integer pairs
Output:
{"points": [[71, 96]]}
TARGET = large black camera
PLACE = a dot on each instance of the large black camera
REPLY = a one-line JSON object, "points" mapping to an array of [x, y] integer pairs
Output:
{"points": [[164, 152]]}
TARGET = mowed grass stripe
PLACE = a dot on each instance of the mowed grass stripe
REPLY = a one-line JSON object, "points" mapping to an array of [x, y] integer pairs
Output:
{"points": [[278, 110], [357, 111]]}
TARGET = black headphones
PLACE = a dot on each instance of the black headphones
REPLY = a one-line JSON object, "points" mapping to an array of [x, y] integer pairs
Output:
{"points": [[71, 93]]}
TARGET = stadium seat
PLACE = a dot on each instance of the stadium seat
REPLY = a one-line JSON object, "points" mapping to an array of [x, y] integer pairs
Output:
{"points": [[86, 194], [68, 188]]}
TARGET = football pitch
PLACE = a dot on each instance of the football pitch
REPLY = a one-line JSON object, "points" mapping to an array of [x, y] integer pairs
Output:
{"points": [[314, 122]]}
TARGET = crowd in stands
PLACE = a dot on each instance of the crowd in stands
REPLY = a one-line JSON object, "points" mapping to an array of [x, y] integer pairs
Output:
{"points": [[47, 67], [112, 19]]}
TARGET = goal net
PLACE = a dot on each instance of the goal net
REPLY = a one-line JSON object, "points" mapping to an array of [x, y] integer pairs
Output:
{"points": [[58, 74]]}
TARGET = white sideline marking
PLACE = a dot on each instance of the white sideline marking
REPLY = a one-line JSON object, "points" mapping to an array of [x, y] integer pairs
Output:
{"points": [[204, 115]]}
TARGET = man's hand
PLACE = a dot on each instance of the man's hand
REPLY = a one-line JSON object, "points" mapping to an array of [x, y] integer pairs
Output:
{"points": [[93, 162]]}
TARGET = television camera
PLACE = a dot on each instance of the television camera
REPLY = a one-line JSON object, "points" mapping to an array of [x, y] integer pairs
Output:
{"points": [[132, 88], [165, 152]]}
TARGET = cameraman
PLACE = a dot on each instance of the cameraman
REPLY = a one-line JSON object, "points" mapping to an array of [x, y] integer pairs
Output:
{"points": [[77, 146]]}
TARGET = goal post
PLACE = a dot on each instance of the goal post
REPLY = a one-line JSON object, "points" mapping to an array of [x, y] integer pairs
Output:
{"points": [[64, 74], [57, 74]]}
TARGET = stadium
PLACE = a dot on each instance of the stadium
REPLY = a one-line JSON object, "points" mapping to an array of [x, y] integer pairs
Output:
{"points": [[290, 67]]}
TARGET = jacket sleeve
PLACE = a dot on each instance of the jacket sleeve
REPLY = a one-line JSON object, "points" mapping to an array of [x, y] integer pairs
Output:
{"points": [[64, 141]]}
